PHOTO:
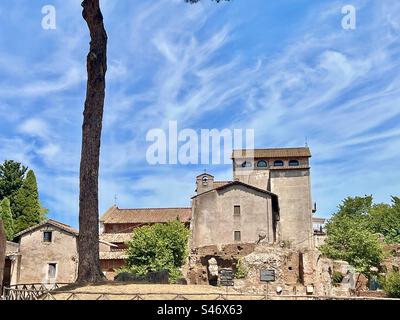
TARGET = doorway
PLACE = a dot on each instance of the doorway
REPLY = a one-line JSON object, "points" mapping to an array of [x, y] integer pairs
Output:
{"points": [[7, 273]]}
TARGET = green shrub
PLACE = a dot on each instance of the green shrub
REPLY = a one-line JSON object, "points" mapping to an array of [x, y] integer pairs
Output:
{"points": [[337, 278], [391, 284], [158, 247], [241, 271]]}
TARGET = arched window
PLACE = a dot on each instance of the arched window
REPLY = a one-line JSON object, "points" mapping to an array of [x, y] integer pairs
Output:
{"points": [[205, 180], [246, 164], [294, 163], [278, 163], [262, 164]]}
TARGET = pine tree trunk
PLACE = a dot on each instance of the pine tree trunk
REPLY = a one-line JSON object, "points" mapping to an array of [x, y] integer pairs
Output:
{"points": [[88, 242]]}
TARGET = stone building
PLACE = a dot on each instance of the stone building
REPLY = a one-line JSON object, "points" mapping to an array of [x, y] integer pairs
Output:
{"points": [[116, 226], [45, 253], [232, 212], [268, 200]]}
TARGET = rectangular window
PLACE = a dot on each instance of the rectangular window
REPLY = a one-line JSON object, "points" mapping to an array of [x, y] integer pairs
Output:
{"points": [[52, 270], [236, 210], [47, 236], [237, 236]]}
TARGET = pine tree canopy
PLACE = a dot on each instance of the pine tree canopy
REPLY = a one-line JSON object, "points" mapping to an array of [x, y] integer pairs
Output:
{"points": [[12, 175]]}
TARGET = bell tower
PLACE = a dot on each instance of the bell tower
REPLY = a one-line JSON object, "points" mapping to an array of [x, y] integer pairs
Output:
{"points": [[204, 182]]}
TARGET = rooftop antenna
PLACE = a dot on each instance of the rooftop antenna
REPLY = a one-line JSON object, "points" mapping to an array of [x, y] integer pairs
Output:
{"points": [[115, 200], [306, 141]]}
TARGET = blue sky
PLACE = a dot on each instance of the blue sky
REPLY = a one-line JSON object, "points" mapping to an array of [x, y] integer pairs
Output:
{"points": [[285, 68]]}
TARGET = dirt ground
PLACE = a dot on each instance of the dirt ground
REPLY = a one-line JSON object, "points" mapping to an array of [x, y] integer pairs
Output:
{"points": [[131, 291]]}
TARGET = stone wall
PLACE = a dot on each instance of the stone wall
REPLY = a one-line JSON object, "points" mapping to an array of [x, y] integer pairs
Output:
{"points": [[227, 256], [36, 256], [2, 252], [214, 222], [293, 188], [296, 272]]}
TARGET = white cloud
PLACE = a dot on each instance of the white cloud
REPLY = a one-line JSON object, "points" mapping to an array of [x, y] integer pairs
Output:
{"points": [[34, 127]]}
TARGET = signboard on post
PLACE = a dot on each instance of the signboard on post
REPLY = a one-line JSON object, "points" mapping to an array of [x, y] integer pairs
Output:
{"points": [[267, 275], [226, 277]]}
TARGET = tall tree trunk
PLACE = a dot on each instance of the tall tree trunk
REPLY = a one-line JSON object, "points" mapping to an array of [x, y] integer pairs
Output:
{"points": [[88, 242]]}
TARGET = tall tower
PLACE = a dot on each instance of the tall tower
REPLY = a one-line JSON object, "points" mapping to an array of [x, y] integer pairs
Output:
{"points": [[286, 173]]}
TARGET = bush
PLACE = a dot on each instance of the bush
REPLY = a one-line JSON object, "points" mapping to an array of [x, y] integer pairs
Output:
{"points": [[391, 284], [241, 271], [337, 278], [158, 247]]}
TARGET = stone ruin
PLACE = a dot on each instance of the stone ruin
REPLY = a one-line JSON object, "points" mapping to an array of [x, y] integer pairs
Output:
{"points": [[296, 272]]}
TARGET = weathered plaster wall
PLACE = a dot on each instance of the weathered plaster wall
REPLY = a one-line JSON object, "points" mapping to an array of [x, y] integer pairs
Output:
{"points": [[214, 223], [36, 255], [294, 191]]}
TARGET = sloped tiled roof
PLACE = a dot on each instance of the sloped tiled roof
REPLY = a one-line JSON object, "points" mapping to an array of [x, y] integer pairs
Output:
{"points": [[237, 183], [53, 223], [147, 215], [116, 237], [273, 153]]}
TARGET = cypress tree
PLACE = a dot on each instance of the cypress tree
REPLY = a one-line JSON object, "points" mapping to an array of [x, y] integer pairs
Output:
{"points": [[26, 208], [6, 217]]}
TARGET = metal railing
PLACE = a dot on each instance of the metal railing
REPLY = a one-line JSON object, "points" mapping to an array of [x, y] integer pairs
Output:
{"points": [[31, 291], [59, 294]]}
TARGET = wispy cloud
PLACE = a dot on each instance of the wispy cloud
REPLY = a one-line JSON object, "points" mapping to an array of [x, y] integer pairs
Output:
{"points": [[206, 66]]}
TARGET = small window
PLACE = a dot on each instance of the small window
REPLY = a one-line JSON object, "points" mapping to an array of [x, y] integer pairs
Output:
{"points": [[246, 164], [278, 163], [237, 236], [236, 210], [262, 164], [52, 270], [47, 236], [294, 163]]}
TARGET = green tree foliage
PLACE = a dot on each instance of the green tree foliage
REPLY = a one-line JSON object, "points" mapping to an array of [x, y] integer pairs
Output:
{"points": [[26, 208], [391, 284], [12, 176], [6, 216], [385, 219], [350, 238], [158, 247]]}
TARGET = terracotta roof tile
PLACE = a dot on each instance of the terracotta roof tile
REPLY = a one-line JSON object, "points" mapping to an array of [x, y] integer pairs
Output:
{"points": [[273, 153], [148, 215], [53, 223]]}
